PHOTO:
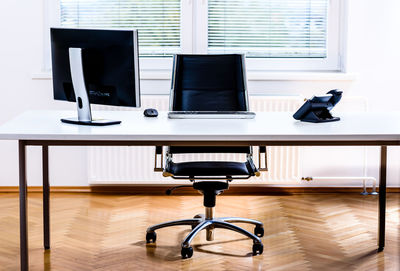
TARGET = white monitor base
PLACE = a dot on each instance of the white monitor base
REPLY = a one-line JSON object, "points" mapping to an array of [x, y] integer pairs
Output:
{"points": [[95, 122]]}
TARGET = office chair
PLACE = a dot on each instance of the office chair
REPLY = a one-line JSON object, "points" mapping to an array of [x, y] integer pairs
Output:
{"points": [[209, 83]]}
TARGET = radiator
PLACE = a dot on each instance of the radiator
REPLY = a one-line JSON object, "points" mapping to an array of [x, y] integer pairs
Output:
{"points": [[134, 165]]}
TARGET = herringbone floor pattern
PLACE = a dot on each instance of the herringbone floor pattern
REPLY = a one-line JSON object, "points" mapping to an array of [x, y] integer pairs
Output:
{"points": [[107, 232]]}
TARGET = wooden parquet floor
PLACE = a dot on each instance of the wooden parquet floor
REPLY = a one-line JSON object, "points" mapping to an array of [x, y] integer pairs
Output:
{"points": [[107, 232]]}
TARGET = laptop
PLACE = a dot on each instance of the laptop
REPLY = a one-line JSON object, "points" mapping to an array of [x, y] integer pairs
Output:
{"points": [[211, 115]]}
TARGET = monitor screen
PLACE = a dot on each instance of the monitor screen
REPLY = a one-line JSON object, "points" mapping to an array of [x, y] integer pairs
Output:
{"points": [[110, 65]]}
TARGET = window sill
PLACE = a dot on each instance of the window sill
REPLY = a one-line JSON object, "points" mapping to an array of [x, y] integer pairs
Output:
{"points": [[300, 76], [146, 75], [251, 76]]}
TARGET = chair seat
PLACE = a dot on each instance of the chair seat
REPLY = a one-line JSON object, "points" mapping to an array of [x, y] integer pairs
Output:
{"points": [[214, 168]]}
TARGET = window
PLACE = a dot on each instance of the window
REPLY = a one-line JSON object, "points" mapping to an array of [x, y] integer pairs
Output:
{"points": [[274, 34], [275, 28], [158, 21]]}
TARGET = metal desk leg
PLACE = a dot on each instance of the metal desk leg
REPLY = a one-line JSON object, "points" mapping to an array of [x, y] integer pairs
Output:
{"points": [[382, 198], [23, 223], [46, 195]]}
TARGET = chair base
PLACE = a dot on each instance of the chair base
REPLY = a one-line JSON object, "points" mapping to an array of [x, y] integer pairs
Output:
{"points": [[207, 222]]}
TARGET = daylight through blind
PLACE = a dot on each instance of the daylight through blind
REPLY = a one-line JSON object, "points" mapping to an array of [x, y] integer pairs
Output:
{"points": [[268, 28], [158, 21]]}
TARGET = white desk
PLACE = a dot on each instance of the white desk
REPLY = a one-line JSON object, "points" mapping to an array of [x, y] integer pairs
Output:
{"points": [[46, 125], [43, 128]]}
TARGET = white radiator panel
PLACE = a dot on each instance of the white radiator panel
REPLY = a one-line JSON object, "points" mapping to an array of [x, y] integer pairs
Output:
{"points": [[134, 165]]}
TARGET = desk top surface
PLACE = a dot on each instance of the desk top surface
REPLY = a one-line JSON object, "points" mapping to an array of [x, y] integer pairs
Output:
{"points": [[266, 126]]}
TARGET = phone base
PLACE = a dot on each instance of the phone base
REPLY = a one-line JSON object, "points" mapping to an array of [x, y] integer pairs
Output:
{"points": [[319, 116], [321, 120]]}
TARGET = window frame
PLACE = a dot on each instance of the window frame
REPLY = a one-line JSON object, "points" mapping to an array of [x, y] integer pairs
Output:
{"points": [[153, 64], [194, 40], [334, 40]]}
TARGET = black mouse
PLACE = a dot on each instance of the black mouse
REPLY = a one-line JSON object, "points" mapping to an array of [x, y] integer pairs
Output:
{"points": [[150, 112]]}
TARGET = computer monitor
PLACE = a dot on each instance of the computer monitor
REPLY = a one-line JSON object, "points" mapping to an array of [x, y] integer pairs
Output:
{"points": [[95, 67]]}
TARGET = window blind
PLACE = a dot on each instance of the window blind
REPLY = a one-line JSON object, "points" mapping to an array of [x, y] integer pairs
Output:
{"points": [[158, 21], [268, 28]]}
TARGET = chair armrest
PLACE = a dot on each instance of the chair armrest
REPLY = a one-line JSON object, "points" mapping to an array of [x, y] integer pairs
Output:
{"points": [[158, 151], [261, 150]]}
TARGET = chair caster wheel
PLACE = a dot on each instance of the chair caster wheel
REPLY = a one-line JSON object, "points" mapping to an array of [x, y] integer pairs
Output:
{"points": [[151, 237], [259, 231], [187, 252], [258, 249]]}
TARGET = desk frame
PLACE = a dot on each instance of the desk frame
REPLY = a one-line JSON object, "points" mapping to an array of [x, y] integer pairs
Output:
{"points": [[22, 144]]}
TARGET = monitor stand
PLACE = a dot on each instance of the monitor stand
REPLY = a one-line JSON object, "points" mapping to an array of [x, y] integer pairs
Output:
{"points": [[81, 94]]}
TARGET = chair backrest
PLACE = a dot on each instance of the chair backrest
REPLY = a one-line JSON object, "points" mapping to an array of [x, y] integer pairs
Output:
{"points": [[209, 83]]}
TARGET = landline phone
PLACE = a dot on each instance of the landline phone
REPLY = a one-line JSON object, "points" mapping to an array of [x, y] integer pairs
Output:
{"points": [[317, 108]]}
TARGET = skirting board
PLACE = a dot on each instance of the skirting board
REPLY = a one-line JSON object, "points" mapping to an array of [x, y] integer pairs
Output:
{"points": [[160, 190]]}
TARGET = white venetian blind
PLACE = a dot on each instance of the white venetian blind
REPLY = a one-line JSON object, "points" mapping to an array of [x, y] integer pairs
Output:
{"points": [[158, 21], [268, 28]]}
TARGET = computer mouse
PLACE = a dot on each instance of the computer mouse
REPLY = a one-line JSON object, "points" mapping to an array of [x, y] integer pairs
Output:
{"points": [[150, 112]]}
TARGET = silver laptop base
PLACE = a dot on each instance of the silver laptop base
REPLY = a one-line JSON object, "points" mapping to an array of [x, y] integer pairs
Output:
{"points": [[211, 115]]}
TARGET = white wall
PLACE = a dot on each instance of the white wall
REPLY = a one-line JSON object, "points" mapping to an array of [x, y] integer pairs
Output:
{"points": [[373, 54]]}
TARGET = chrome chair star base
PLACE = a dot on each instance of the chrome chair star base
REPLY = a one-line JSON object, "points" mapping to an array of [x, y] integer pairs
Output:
{"points": [[209, 223]]}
